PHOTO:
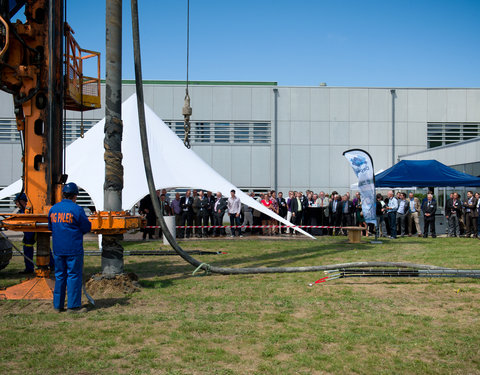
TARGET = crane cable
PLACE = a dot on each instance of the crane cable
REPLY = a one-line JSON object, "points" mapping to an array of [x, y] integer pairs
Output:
{"points": [[156, 205]]}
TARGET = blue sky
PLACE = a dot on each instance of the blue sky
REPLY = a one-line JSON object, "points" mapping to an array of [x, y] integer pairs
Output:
{"points": [[389, 43]]}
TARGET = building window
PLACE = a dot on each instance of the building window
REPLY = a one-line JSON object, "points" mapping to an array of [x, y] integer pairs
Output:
{"points": [[445, 133], [201, 132], [73, 129], [261, 132], [8, 131], [222, 132], [241, 133], [225, 132]]}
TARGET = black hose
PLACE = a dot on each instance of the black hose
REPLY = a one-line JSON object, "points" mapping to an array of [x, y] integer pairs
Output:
{"points": [[156, 205]]}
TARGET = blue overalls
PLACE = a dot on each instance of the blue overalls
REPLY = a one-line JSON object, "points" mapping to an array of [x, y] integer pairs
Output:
{"points": [[68, 224]]}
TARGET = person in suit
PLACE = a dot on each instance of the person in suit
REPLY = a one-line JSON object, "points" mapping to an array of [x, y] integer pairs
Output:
{"points": [[304, 220], [146, 209], [282, 207], [297, 209], [414, 208], [177, 211], [209, 220], [357, 207], [471, 215], [447, 229], [453, 211], [380, 213], [461, 220], [219, 208], [347, 212], [196, 214], [200, 206], [477, 195], [186, 204], [307, 212], [335, 210], [429, 208]]}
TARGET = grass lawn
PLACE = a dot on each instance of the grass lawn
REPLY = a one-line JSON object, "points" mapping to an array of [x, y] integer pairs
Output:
{"points": [[259, 324]]}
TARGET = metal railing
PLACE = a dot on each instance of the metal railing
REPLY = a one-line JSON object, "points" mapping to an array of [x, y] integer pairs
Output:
{"points": [[83, 92]]}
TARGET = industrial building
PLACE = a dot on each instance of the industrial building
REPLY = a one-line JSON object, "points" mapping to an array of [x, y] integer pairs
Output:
{"points": [[260, 135]]}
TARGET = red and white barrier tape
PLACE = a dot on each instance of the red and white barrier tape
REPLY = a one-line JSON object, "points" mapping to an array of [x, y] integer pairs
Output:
{"points": [[249, 226]]}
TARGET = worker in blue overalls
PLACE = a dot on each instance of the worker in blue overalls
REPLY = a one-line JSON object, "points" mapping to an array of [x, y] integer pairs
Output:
{"points": [[68, 224], [28, 237]]}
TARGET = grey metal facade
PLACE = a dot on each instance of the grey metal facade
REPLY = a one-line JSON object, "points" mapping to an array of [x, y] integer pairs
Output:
{"points": [[312, 127]]}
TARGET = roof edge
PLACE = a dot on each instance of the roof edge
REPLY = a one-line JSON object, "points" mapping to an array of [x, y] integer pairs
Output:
{"points": [[199, 83], [456, 144]]}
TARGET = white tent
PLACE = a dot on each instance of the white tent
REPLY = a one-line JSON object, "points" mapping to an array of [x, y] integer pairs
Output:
{"points": [[174, 166]]}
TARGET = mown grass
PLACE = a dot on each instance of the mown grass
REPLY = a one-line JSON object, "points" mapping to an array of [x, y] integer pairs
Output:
{"points": [[259, 324]]}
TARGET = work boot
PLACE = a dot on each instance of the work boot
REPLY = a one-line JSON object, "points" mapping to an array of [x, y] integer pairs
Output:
{"points": [[77, 310], [58, 310]]}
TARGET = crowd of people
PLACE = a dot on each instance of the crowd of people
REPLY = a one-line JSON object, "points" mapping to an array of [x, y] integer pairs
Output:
{"points": [[320, 214]]}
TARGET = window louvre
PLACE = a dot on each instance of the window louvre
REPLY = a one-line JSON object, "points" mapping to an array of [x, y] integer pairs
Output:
{"points": [[225, 132], [445, 133]]}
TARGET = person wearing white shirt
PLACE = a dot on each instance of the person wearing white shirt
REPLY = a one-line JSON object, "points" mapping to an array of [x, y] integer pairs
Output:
{"points": [[391, 209], [234, 206], [402, 213]]}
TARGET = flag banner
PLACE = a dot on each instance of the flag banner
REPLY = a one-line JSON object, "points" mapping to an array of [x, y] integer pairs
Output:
{"points": [[362, 165]]}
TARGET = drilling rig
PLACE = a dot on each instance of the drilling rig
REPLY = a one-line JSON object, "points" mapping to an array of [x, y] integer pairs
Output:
{"points": [[41, 65]]}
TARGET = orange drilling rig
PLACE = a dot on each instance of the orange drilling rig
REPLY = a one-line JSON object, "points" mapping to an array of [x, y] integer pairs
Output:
{"points": [[44, 78]]}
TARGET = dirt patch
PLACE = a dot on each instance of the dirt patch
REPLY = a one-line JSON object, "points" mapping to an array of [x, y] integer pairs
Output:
{"points": [[123, 284]]}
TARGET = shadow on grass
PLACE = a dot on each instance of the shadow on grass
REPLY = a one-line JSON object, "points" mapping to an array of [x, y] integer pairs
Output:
{"points": [[154, 284], [289, 256]]}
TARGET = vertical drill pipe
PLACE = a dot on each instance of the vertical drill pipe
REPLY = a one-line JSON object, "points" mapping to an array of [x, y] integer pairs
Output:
{"points": [[112, 251], [54, 132], [54, 129]]}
